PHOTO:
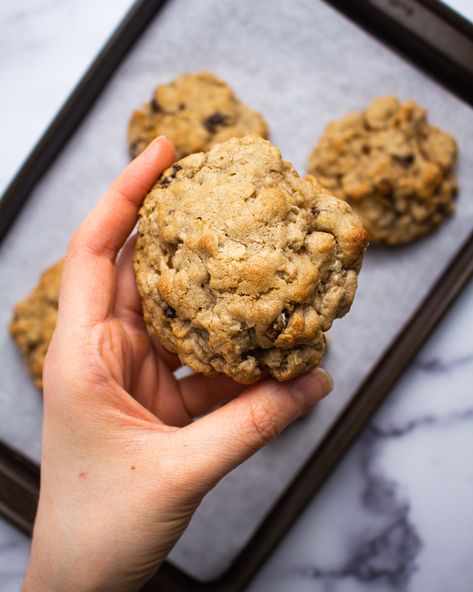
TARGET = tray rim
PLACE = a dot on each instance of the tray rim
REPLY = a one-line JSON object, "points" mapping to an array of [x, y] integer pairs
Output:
{"points": [[19, 477], [415, 46]]}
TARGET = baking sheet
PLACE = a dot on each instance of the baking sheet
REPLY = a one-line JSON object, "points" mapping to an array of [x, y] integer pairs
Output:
{"points": [[301, 64]]}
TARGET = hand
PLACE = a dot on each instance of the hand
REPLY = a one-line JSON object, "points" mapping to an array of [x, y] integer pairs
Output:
{"points": [[124, 465]]}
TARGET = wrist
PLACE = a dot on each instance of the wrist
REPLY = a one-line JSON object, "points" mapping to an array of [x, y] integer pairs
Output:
{"points": [[64, 561], [54, 567]]}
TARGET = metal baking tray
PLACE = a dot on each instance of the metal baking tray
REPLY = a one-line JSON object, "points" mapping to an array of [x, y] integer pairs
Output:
{"points": [[301, 64]]}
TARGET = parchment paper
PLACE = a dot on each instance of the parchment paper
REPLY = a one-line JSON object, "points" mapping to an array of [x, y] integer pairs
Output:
{"points": [[301, 64]]}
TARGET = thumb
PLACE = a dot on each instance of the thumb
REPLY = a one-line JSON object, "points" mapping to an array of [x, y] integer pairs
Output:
{"points": [[226, 437]]}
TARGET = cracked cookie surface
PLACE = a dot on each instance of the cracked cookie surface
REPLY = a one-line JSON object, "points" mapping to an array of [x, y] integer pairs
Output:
{"points": [[242, 264], [34, 320], [194, 111], [393, 167]]}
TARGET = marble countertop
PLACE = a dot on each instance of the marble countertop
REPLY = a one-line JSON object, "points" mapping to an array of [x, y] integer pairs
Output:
{"points": [[397, 512]]}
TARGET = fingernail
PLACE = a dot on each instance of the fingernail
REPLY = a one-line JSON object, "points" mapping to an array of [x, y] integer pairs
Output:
{"points": [[156, 141], [312, 387]]}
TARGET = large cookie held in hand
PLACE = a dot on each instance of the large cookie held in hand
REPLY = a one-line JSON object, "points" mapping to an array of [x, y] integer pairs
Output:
{"points": [[242, 265]]}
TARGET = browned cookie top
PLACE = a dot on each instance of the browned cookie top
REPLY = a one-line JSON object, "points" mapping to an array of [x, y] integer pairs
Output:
{"points": [[393, 167], [242, 265], [34, 320], [195, 111]]}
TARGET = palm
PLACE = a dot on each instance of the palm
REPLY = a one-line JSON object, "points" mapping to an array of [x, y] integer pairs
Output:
{"points": [[145, 373]]}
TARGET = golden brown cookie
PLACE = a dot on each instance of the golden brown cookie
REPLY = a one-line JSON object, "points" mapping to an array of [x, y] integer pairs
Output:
{"points": [[242, 265], [34, 320], [393, 167], [195, 111]]}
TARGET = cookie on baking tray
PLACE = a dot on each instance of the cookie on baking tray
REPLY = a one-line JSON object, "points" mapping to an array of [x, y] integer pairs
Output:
{"points": [[34, 320], [195, 111], [393, 167], [242, 265]]}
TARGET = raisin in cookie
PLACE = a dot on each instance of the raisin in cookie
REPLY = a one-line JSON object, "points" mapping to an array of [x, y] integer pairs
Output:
{"points": [[242, 265], [195, 111], [394, 168], [34, 320]]}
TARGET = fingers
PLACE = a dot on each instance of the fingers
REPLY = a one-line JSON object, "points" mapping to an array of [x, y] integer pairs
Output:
{"points": [[88, 282], [158, 391], [127, 300], [171, 360], [225, 438], [177, 402], [202, 394]]}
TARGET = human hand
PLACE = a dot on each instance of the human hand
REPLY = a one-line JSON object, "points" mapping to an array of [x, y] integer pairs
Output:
{"points": [[124, 466]]}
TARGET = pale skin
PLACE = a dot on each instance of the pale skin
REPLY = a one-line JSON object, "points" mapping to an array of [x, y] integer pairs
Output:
{"points": [[124, 464]]}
